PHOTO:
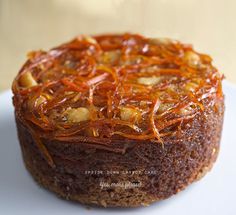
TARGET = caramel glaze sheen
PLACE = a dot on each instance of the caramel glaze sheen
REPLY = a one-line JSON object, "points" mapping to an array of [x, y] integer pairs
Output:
{"points": [[118, 103]]}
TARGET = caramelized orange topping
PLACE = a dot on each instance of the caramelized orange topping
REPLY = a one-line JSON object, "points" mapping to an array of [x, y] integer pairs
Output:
{"points": [[114, 86]]}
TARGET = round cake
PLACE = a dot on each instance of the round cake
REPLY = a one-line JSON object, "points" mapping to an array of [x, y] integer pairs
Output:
{"points": [[118, 120]]}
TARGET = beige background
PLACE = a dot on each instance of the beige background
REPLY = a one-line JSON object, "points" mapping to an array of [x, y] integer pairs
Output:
{"points": [[41, 24]]}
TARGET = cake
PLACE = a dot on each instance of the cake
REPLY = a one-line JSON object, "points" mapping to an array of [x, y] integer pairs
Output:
{"points": [[118, 120]]}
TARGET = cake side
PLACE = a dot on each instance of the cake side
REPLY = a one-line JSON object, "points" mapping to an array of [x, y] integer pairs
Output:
{"points": [[162, 170]]}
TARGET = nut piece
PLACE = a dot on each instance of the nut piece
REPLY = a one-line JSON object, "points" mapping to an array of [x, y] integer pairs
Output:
{"points": [[40, 100], [149, 80], [110, 57], [186, 111], [191, 86], [35, 103], [164, 107], [129, 114], [158, 41], [77, 114], [90, 40], [192, 59], [27, 80]]}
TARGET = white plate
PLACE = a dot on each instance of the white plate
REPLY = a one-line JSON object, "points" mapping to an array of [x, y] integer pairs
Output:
{"points": [[214, 194]]}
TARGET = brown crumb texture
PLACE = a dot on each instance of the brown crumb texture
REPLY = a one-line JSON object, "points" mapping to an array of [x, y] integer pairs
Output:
{"points": [[180, 161]]}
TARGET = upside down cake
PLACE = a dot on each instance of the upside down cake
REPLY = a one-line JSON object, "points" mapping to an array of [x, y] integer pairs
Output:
{"points": [[118, 120]]}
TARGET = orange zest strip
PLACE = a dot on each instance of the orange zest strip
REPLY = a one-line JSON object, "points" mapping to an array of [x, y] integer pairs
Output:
{"points": [[135, 136], [73, 86], [42, 148], [152, 120], [97, 79]]}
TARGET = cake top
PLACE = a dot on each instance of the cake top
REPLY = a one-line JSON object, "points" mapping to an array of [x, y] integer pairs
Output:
{"points": [[119, 86]]}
